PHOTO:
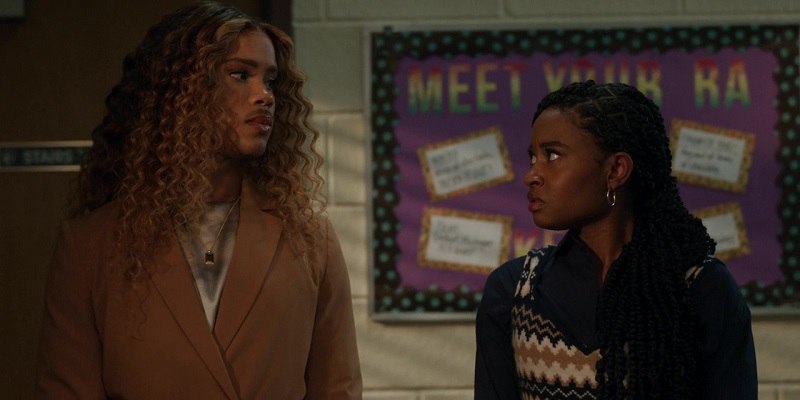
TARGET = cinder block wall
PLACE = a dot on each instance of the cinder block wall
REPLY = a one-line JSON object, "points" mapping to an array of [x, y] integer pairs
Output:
{"points": [[434, 361]]}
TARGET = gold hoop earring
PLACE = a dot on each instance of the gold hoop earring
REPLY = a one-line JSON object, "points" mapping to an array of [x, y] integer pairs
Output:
{"points": [[611, 197]]}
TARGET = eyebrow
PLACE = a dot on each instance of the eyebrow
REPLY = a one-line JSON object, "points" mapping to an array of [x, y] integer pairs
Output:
{"points": [[553, 143], [251, 63]]}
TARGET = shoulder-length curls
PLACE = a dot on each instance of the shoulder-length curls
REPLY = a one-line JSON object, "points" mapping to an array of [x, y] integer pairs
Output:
{"points": [[154, 149]]}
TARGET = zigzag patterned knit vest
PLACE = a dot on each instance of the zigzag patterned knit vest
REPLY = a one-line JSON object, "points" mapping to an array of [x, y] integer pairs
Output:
{"points": [[548, 365]]}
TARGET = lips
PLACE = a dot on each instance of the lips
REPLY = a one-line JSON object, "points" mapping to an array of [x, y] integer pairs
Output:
{"points": [[534, 202], [262, 121]]}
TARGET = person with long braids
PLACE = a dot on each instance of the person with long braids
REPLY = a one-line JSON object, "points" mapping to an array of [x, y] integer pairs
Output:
{"points": [[631, 303], [196, 262]]}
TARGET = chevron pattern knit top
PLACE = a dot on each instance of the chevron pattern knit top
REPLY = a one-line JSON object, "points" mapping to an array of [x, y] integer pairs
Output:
{"points": [[549, 364]]}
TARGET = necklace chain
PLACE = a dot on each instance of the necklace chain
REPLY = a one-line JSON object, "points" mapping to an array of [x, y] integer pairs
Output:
{"points": [[210, 253]]}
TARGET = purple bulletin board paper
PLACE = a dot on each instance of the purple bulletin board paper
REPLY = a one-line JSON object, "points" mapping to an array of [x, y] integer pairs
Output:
{"points": [[447, 95]]}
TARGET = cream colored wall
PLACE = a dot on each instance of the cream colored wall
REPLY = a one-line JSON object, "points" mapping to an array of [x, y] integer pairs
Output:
{"points": [[434, 361]]}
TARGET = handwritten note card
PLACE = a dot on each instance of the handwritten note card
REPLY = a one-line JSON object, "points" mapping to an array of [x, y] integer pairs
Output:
{"points": [[465, 164], [726, 226], [464, 241], [711, 156]]}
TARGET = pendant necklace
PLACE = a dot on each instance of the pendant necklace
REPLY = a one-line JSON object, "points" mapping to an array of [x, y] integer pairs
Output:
{"points": [[210, 251]]}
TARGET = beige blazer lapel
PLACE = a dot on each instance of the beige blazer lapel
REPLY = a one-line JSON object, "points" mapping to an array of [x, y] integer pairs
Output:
{"points": [[175, 284], [257, 239]]}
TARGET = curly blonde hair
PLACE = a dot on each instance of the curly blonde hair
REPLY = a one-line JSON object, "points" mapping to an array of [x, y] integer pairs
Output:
{"points": [[154, 150]]}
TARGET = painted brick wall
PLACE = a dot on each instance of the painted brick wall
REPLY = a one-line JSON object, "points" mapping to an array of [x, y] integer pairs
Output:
{"points": [[435, 361]]}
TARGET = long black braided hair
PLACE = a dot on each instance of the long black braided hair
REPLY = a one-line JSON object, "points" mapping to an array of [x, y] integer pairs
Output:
{"points": [[646, 326]]}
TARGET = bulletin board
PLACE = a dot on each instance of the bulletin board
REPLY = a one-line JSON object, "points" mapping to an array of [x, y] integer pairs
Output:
{"points": [[450, 115]]}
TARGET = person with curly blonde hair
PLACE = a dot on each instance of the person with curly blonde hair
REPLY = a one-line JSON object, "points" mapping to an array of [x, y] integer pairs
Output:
{"points": [[196, 261]]}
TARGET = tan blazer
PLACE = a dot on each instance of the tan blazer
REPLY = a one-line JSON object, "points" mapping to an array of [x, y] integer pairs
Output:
{"points": [[283, 330]]}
